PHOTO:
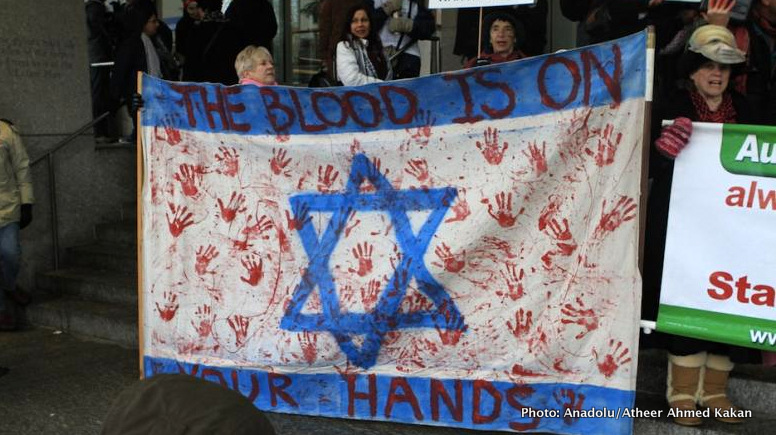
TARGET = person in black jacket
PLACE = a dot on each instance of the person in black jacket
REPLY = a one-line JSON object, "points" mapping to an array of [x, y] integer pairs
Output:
{"points": [[697, 370], [100, 50], [254, 22], [603, 20], [761, 68], [401, 24], [140, 52], [215, 43]]}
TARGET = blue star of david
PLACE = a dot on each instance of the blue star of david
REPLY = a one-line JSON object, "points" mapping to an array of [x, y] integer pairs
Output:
{"points": [[386, 316]]}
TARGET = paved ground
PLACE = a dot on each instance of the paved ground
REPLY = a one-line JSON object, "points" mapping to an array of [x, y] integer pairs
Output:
{"points": [[60, 384]]}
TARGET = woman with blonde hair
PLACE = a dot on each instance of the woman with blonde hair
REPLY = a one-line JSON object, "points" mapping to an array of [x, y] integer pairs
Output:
{"points": [[254, 66]]}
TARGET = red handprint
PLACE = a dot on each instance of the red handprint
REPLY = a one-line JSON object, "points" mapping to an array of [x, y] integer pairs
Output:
{"points": [[309, 343], [190, 178], [279, 162], [454, 327], [624, 210], [523, 323], [491, 149], [607, 147], [229, 160], [549, 211], [422, 134], [203, 322], [565, 241], [461, 209], [179, 220], [514, 281], [503, 215], [580, 315], [167, 312], [578, 132], [453, 263], [300, 218], [171, 133], [537, 158], [569, 400], [236, 205], [363, 253], [612, 360], [326, 177], [418, 168], [255, 270], [239, 325], [374, 172], [254, 231], [370, 293], [204, 256]]}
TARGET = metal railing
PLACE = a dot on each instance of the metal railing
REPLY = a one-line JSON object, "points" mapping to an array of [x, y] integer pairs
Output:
{"points": [[48, 156]]}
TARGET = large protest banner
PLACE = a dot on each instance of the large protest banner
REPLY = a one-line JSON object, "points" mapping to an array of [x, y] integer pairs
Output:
{"points": [[458, 249], [718, 282]]}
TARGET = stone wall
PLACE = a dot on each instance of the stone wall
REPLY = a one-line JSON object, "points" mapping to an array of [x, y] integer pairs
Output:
{"points": [[45, 92]]}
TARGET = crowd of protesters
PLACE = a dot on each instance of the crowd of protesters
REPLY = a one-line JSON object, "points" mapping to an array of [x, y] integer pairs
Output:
{"points": [[715, 63]]}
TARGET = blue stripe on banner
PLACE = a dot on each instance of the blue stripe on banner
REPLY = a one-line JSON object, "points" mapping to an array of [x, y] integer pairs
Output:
{"points": [[473, 404], [603, 74]]}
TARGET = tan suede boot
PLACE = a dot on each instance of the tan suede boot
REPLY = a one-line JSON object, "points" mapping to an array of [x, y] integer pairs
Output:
{"points": [[714, 386], [684, 374]]}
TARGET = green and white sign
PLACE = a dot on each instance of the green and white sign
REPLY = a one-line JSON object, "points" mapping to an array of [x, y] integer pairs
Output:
{"points": [[719, 277]]}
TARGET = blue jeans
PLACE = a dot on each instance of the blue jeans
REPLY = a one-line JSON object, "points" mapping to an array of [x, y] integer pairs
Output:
{"points": [[10, 257]]}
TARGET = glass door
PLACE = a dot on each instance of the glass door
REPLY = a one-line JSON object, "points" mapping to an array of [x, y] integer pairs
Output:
{"points": [[301, 54]]}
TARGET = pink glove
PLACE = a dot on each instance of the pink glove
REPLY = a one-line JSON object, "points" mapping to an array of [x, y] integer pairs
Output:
{"points": [[674, 137]]}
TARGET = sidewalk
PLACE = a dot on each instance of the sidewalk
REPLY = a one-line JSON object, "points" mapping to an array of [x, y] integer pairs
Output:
{"points": [[63, 385]]}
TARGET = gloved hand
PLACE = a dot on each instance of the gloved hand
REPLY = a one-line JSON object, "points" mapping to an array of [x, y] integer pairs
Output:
{"points": [[26, 216], [674, 137], [136, 103], [391, 6], [400, 24]]}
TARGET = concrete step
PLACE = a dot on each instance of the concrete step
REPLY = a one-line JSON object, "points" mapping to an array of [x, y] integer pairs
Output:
{"points": [[90, 284], [122, 233], [750, 386], [112, 322], [104, 256]]}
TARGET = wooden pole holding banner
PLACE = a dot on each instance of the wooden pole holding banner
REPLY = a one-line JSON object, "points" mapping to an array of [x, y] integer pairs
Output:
{"points": [[139, 211], [645, 146], [479, 36], [647, 138]]}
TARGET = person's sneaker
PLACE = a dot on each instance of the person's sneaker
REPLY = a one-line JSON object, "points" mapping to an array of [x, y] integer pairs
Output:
{"points": [[7, 321]]}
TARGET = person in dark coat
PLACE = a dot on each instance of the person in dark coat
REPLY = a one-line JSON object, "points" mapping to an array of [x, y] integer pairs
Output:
{"points": [[254, 22], [761, 66], [215, 43], [401, 24], [184, 49], [138, 53], [100, 50], [697, 370]]}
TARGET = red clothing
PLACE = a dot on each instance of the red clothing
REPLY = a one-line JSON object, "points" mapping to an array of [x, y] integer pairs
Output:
{"points": [[495, 58]]}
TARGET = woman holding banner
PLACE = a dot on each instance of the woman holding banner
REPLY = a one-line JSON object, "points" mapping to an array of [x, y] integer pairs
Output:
{"points": [[697, 370], [360, 59]]}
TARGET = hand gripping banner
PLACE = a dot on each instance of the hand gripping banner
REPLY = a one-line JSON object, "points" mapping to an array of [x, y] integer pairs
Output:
{"points": [[458, 249]]}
